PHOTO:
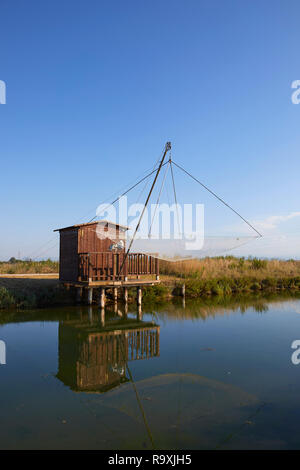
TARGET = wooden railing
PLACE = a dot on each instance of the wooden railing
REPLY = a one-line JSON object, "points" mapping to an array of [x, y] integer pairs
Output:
{"points": [[107, 265]]}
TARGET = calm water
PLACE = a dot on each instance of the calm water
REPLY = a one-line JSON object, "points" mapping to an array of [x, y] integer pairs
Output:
{"points": [[201, 376]]}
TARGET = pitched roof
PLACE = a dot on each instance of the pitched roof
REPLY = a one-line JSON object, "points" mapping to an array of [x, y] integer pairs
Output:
{"points": [[106, 222]]}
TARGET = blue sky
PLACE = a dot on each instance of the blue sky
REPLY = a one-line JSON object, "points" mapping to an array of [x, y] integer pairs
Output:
{"points": [[96, 88]]}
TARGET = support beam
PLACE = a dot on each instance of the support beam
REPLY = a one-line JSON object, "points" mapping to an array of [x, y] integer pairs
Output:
{"points": [[139, 295], [125, 295], [90, 314], [102, 317], [79, 294], [115, 294], [90, 296], [102, 297], [139, 315], [183, 290]]}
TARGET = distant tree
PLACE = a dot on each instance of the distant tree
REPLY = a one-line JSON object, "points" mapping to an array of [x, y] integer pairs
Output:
{"points": [[12, 260]]}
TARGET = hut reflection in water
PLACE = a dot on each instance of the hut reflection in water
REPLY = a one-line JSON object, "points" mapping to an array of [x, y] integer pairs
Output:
{"points": [[93, 353]]}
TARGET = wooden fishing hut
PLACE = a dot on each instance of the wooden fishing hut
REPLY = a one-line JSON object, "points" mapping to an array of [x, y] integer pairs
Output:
{"points": [[93, 255]]}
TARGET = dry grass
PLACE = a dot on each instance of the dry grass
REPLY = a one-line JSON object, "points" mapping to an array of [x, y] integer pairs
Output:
{"points": [[220, 276], [32, 267], [231, 267]]}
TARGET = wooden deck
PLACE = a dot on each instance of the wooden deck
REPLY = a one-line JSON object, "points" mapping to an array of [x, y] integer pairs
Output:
{"points": [[111, 283]]}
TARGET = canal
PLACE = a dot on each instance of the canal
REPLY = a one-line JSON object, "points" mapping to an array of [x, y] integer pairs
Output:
{"points": [[214, 374]]}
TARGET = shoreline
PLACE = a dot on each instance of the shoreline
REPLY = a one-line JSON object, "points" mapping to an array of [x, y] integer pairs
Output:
{"points": [[27, 291]]}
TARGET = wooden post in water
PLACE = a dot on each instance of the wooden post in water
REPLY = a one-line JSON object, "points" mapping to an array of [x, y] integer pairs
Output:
{"points": [[183, 290], [90, 314], [139, 295], [102, 297], [79, 294], [90, 296], [139, 315], [102, 317], [115, 294], [125, 295]]}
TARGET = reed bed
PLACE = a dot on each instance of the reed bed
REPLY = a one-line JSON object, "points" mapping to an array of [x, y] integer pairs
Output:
{"points": [[232, 267], [29, 267], [227, 275]]}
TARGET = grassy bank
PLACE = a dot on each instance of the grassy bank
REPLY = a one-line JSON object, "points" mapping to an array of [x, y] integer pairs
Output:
{"points": [[231, 267], [207, 268], [227, 275], [33, 293], [218, 277]]}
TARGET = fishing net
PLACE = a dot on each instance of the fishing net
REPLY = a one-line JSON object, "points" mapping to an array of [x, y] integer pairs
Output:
{"points": [[179, 222], [179, 250], [173, 216]]}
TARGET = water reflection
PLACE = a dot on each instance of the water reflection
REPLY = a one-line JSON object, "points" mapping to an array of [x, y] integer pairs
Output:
{"points": [[215, 374], [94, 349]]}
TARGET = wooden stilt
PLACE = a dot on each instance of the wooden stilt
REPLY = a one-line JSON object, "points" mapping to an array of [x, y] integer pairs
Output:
{"points": [[115, 294], [183, 290], [79, 294], [139, 315], [102, 317], [90, 295], [120, 313], [125, 295], [102, 297], [90, 314], [139, 295]]}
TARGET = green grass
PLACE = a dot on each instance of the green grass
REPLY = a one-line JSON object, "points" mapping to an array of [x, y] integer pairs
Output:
{"points": [[33, 293], [218, 277]]}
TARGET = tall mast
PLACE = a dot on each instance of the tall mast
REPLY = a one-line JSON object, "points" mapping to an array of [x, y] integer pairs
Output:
{"points": [[167, 148]]}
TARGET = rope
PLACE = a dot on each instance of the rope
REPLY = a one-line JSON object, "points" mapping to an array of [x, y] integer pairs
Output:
{"points": [[175, 196], [215, 195], [130, 189], [158, 198], [119, 190]]}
